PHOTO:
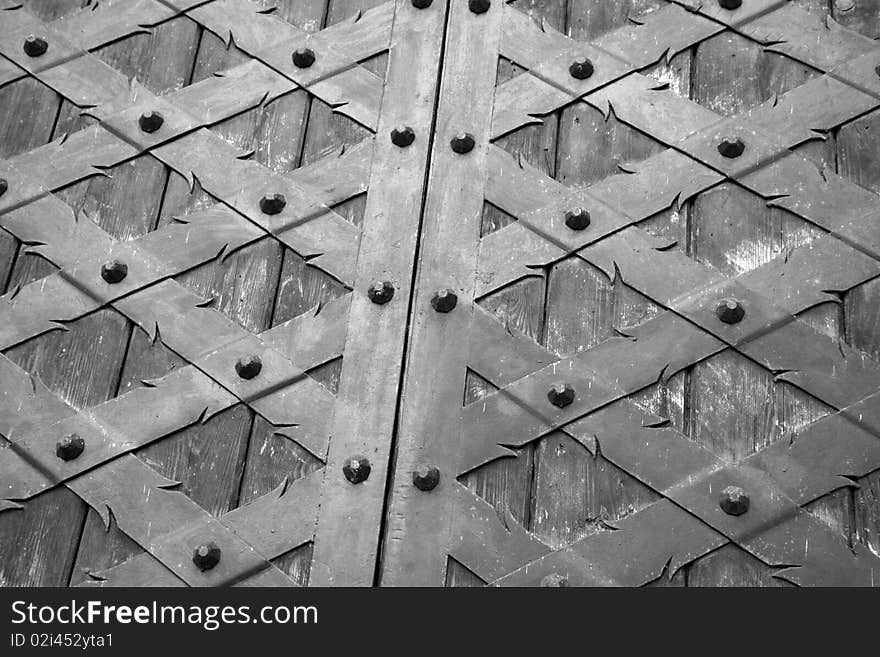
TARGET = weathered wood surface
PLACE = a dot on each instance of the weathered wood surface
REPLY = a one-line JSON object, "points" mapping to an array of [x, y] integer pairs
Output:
{"points": [[554, 487]]}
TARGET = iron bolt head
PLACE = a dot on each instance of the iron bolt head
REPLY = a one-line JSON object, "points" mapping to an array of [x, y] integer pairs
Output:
{"points": [[463, 143], [554, 580], [403, 136], [421, 4], [479, 6], [114, 271], [577, 219], [35, 46], [3, 186], [381, 292], [206, 556], [69, 447], [444, 300], [730, 311], [247, 367], [356, 469], [731, 147], [426, 478], [272, 203], [730, 4], [150, 122], [303, 57], [561, 394], [734, 501], [582, 69]]}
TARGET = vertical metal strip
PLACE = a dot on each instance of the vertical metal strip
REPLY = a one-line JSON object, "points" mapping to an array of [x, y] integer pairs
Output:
{"points": [[349, 519], [420, 525]]}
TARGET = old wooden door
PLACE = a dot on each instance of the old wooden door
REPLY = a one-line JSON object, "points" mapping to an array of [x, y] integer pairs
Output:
{"points": [[426, 292]]}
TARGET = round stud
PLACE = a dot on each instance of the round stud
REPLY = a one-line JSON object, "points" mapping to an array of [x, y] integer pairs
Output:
{"points": [[554, 580], [444, 300], [35, 46], [479, 6], [247, 367], [462, 143], [356, 469], [561, 395], [303, 57], [150, 122], [577, 219], [734, 501], [426, 478], [581, 70], [69, 447], [403, 136], [731, 147], [272, 203], [730, 311], [730, 4], [3, 186], [381, 292], [206, 556], [114, 271], [421, 4]]}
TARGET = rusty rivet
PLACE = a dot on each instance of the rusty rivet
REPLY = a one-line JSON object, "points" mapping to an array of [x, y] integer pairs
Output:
{"points": [[247, 367], [577, 219], [356, 469], [381, 292], [272, 203], [734, 501], [150, 122], [35, 46], [731, 147], [3, 186], [462, 143], [303, 57], [581, 69], [444, 300], [421, 4], [206, 556], [554, 580], [730, 4], [561, 394], [403, 136], [114, 271], [730, 311], [479, 6], [69, 447], [426, 478]]}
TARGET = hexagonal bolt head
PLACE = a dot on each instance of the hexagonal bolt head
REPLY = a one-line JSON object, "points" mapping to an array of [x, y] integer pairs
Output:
{"points": [[69, 447], [206, 556], [403, 136], [421, 4], [426, 478], [247, 367], [462, 143], [114, 271], [731, 147], [35, 46], [381, 292], [272, 203], [444, 300], [356, 469], [561, 395], [577, 219], [730, 311], [554, 580], [730, 4], [734, 501], [303, 57], [582, 69], [3, 186], [479, 6], [150, 122]]}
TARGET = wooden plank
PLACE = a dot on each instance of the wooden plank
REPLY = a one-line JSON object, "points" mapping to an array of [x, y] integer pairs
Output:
{"points": [[857, 147], [734, 406]]}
